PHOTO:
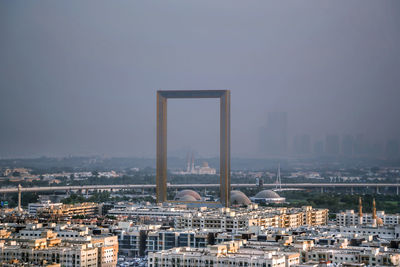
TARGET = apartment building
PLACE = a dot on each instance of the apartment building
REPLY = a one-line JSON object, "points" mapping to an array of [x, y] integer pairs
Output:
{"points": [[38, 245], [349, 217], [364, 255], [107, 250], [387, 232], [156, 212], [67, 211], [33, 207], [39, 251], [232, 220], [227, 254]]}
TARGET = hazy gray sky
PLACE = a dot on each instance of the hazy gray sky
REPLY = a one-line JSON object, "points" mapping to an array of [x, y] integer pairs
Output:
{"points": [[80, 77]]}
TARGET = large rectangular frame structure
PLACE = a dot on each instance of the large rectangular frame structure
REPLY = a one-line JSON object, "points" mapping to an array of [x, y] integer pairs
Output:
{"points": [[225, 140]]}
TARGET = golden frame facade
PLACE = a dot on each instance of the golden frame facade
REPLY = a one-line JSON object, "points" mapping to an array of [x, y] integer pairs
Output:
{"points": [[225, 139]]}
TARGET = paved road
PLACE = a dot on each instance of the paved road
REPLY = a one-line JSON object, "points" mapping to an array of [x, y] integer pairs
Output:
{"points": [[140, 186]]}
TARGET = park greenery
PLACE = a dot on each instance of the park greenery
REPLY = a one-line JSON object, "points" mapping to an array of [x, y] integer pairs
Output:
{"points": [[337, 202]]}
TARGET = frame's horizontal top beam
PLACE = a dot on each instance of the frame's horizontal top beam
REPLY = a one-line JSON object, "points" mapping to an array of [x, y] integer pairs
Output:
{"points": [[192, 93]]}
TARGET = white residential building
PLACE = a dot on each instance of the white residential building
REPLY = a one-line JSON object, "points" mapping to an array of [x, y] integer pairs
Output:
{"points": [[228, 254], [33, 207]]}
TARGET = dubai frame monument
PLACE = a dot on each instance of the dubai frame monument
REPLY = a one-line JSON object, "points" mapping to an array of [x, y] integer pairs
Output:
{"points": [[225, 140]]}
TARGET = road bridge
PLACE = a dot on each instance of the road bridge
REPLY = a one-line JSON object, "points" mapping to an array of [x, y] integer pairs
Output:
{"points": [[6, 190]]}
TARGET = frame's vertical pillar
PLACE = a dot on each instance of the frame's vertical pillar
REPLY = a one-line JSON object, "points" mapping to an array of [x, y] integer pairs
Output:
{"points": [[161, 175], [225, 168]]}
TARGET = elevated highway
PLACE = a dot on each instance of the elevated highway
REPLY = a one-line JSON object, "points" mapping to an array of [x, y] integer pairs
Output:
{"points": [[178, 186]]}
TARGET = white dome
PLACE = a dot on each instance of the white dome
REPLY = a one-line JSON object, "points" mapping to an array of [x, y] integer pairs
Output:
{"points": [[267, 194]]}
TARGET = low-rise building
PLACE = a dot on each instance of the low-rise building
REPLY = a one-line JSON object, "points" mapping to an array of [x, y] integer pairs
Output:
{"points": [[349, 217], [33, 207], [67, 211], [228, 254], [386, 232], [347, 256], [66, 245], [151, 211], [226, 219]]}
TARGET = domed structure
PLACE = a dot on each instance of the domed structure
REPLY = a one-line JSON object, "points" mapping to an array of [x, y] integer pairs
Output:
{"points": [[181, 194], [268, 196], [188, 198], [239, 198], [236, 192]]}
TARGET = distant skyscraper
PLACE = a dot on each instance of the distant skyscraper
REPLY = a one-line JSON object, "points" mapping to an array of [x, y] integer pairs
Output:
{"points": [[392, 149], [302, 144], [348, 145], [318, 147], [376, 149], [360, 145], [332, 144], [273, 137]]}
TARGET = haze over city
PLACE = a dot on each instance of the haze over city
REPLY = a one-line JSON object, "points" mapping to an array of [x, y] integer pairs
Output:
{"points": [[80, 78], [182, 133]]}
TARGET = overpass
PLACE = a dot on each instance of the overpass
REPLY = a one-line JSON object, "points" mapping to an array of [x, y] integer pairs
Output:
{"points": [[7, 190]]}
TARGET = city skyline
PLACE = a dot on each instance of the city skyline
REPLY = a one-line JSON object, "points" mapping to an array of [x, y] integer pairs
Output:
{"points": [[199, 133], [348, 144]]}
